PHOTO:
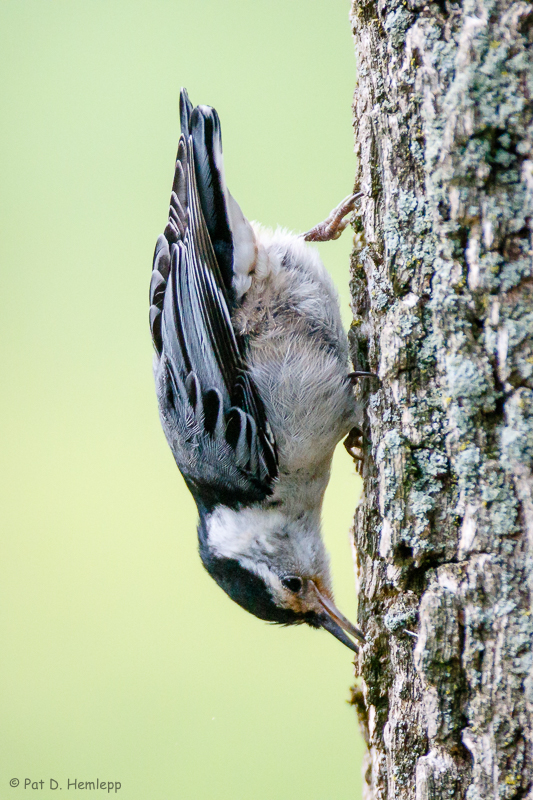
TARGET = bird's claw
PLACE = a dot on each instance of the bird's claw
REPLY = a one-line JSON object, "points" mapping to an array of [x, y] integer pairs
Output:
{"points": [[354, 444], [333, 226], [354, 376]]}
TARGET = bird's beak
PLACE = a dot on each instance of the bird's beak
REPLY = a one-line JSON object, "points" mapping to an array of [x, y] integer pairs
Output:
{"points": [[336, 623]]}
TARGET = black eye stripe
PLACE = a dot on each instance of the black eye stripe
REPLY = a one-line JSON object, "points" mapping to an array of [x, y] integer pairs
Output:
{"points": [[292, 583]]}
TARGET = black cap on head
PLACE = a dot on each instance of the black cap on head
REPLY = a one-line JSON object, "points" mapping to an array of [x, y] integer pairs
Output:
{"points": [[248, 590]]}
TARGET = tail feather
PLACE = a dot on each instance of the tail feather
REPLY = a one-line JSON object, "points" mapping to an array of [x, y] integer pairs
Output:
{"points": [[207, 143], [230, 233], [185, 112]]}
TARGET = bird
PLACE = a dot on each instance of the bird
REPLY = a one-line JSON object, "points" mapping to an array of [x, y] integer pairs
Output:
{"points": [[251, 369]]}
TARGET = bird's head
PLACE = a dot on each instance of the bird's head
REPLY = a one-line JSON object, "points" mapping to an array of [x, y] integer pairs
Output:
{"points": [[273, 565]]}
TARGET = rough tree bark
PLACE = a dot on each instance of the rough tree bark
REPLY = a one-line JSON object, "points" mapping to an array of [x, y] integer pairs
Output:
{"points": [[442, 286]]}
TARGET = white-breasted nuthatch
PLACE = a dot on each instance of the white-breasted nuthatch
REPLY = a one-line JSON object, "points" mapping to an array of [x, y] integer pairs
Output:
{"points": [[251, 372]]}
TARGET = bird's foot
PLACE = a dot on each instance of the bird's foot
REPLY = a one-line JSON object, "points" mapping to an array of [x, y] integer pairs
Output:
{"points": [[354, 446], [333, 226], [353, 377]]}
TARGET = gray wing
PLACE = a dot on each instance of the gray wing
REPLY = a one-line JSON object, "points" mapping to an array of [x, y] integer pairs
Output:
{"points": [[211, 411]]}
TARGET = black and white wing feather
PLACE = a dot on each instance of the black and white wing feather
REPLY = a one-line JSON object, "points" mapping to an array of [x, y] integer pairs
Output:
{"points": [[212, 414]]}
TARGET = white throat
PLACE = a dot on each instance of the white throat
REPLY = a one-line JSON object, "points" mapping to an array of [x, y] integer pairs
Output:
{"points": [[267, 537]]}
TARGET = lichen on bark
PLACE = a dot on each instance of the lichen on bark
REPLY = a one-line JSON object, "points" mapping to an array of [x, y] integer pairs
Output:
{"points": [[442, 288]]}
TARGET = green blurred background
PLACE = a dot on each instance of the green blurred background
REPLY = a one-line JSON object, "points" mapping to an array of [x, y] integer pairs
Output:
{"points": [[122, 660]]}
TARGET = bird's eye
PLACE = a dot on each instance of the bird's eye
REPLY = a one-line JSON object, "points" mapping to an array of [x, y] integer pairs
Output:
{"points": [[292, 582]]}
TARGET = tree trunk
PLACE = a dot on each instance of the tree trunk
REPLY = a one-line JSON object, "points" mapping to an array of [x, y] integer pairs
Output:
{"points": [[442, 287]]}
